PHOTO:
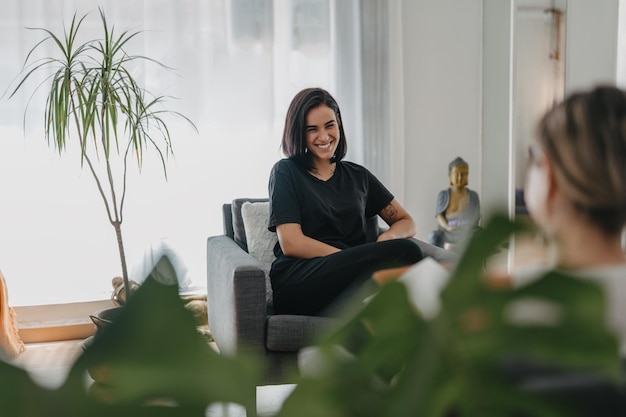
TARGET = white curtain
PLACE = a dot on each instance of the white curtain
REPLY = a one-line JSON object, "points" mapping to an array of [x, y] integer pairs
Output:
{"points": [[382, 91], [236, 65]]}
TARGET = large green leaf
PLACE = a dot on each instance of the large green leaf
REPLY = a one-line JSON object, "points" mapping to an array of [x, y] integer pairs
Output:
{"points": [[384, 360], [154, 362], [457, 363]]}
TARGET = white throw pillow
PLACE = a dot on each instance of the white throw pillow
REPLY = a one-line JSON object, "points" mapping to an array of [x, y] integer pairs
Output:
{"points": [[260, 240]]}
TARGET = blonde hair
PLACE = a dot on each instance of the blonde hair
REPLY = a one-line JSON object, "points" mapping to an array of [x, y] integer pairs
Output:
{"points": [[585, 138]]}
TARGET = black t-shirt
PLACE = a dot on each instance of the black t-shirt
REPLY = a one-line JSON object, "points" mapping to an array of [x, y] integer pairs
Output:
{"points": [[333, 211]]}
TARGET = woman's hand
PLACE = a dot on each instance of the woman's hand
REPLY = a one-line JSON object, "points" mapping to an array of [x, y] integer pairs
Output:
{"points": [[401, 224], [296, 244]]}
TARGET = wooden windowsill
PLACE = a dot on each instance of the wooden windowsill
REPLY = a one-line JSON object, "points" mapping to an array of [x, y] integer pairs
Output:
{"points": [[54, 322]]}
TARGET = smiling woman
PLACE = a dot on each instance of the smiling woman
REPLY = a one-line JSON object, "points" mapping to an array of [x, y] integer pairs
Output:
{"points": [[55, 246], [320, 206]]}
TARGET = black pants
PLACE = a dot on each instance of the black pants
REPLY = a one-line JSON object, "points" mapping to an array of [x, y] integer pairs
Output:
{"points": [[309, 286]]}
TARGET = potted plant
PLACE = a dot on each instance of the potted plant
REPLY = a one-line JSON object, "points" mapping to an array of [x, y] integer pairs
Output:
{"points": [[96, 103]]}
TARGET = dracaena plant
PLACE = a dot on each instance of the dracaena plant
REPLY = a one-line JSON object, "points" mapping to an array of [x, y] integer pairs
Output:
{"points": [[96, 102]]}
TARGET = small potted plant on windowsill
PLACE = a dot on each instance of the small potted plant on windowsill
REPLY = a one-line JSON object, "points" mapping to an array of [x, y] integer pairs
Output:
{"points": [[96, 103]]}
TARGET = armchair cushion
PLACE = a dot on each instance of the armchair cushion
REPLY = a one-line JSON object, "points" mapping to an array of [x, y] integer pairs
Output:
{"points": [[259, 239], [290, 333], [239, 231]]}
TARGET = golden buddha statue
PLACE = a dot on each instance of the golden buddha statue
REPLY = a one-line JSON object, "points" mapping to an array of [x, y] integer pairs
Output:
{"points": [[458, 209]]}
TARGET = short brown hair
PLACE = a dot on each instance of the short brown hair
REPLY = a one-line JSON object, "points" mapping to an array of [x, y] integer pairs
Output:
{"points": [[294, 134]]}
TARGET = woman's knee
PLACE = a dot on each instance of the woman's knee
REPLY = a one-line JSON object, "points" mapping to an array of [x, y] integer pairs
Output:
{"points": [[405, 249], [413, 250]]}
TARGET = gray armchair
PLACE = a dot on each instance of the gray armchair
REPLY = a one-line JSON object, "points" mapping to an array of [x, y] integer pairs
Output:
{"points": [[239, 298]]}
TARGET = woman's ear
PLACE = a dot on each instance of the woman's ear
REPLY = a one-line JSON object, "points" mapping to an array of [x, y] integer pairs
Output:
{"points": [[553, 187], [550, 173], [540, 189]]}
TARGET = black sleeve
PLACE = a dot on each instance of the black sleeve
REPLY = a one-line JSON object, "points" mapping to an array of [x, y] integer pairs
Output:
{"points": [[283, 196], [378, 196]]}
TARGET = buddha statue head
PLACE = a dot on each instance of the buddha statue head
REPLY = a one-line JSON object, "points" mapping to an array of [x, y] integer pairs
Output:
{"points": [[458, 171]]}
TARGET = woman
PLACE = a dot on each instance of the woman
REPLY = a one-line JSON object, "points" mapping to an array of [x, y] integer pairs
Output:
{"points": [[576, 190], [319, 207]]}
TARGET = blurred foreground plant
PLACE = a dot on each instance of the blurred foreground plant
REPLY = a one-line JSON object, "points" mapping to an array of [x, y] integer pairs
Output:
{"points": [[399, 364], [153, 362], [456, 363]]}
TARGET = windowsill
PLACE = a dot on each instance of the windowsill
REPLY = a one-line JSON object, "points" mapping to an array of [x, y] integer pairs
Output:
{"points": [[58, 297], [53, 322], [65, 321]]}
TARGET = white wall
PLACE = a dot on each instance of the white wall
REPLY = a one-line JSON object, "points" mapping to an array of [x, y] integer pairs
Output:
{"points": [[442, 89], [591, 43], [621, 45], [497, 106], [538, 74], [457, 69]]}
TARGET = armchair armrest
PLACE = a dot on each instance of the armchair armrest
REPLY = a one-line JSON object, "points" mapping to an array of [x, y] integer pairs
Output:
{"points": [[235, 297]]}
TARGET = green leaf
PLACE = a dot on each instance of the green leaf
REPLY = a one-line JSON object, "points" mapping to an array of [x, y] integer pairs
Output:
{"points": [[154, 363], [153, 350], [459, 361]]}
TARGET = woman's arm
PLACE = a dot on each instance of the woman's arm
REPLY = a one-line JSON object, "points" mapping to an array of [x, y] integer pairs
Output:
{"points": [[401, 224], [296, 244]]}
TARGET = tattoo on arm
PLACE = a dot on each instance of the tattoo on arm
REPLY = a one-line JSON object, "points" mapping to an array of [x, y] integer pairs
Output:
{"points": [[390, 213]]}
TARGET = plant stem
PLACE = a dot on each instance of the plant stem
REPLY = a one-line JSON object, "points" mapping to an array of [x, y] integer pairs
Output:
{"points": [[117, 221], [120, 245]]}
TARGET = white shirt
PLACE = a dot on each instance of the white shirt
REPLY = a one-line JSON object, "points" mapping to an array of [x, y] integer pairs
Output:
{"points": [[613, 281], [426, 280]]}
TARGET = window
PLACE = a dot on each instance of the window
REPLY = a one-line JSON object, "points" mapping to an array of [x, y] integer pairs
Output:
{"points": [[236, 66]]}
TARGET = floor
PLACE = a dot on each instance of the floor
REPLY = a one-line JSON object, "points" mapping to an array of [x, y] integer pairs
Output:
{"points": [[48, 364]]}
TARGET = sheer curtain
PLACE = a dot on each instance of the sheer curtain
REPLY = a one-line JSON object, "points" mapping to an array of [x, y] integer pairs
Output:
{"points": [[236, 65], [382, 91]]}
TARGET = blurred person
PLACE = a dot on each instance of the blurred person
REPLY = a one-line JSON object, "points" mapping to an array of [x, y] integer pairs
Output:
{"points": [[576, 190]]}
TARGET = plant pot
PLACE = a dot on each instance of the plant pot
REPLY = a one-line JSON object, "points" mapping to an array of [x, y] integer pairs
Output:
{"points": [[100, 373], [105, 317], [101, 319]]}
